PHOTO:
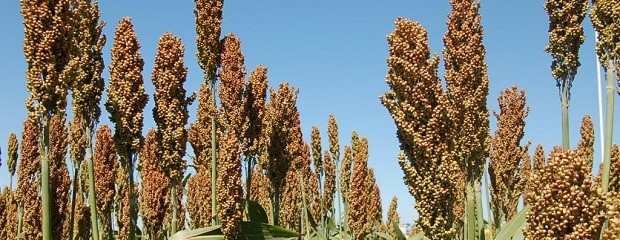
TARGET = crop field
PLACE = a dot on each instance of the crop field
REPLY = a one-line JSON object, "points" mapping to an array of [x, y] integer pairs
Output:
{"points": [[211, 147]]}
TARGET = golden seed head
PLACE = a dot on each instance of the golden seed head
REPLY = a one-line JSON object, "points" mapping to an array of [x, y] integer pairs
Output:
{"points": [[565, 38], [254, 111], [507, 156], [317, 159], [170, 112], [332, 134], [230, 192], [154, 185], [126, 95], [563, 202], [13, 147], [605, 16], [104, 165], [208, 15]]}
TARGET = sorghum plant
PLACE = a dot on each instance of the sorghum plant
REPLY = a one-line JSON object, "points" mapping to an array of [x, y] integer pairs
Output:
{"points": [[254, 110], [507, 160], [392, 217], [208, 15], [28, 182], [48, 50], [87, 88], [282, 124], [104, 171], [13, 147], [170, 112], [154, 186], [125, 103], [605, 17], [420, 108], [359, 194], [565, 38], [230, 191]]}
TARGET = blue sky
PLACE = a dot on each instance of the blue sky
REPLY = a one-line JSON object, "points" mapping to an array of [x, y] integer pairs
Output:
{"points": [[335, 52]]}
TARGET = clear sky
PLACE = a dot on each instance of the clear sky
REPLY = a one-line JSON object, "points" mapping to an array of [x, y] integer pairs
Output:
{"points": [[335, 52]]}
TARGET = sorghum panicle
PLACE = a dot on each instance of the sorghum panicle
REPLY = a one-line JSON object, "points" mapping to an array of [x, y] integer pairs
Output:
{"points": [[506, 155], [154, 187], [13, 147], [565, 38], [230, 191], [208, 17], [170, 112], [563, 202], [605, 16], [104, 170], [60, 182], [329, 188], [126, 95], [28, 183], [420, 109], [392, 217]]}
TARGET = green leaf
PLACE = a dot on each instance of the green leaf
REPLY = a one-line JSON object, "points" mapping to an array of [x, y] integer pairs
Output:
{"points": [[256, 212], [399, 234], [249, 230], [514, 226], [418, 236]]}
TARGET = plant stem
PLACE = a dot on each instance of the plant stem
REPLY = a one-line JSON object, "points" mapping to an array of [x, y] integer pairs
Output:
{"points": [[73, 194], [611, 73], [92, 196], [479, 215], [45, 180], [490, 216], [248, 178], [132, 207], [470, 215], [565, 127], [173, 198], [213, 159]]}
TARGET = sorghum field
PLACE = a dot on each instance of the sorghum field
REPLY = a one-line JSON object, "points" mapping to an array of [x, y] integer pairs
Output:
{"points": [[236, 165]]}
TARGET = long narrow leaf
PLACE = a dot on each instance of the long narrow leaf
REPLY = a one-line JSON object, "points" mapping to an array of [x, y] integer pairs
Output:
{"points": [[515, 225]]}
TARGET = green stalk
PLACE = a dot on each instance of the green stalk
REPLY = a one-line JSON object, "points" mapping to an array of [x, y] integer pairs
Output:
{"points": [[73, 194], [174, 207], [609, 121], [304, 214], [470, 215], [45, 180], [479, 215], [338, 193], [132, 207], [92, 196], [213, 160], [490, 216], [565, 130]]}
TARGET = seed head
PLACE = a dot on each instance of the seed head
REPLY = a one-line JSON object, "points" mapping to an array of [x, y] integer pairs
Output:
{"points": [[468, 85], [104, 171], [155, 186], [254, 111], [419, 108], [48, 51], [13, 146], [208, 15], [126, 95], [507, 154], [317, 159], [28, 185], [170, 112], [605, 16], [564, 205], [565, 38], [230, 192]]}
